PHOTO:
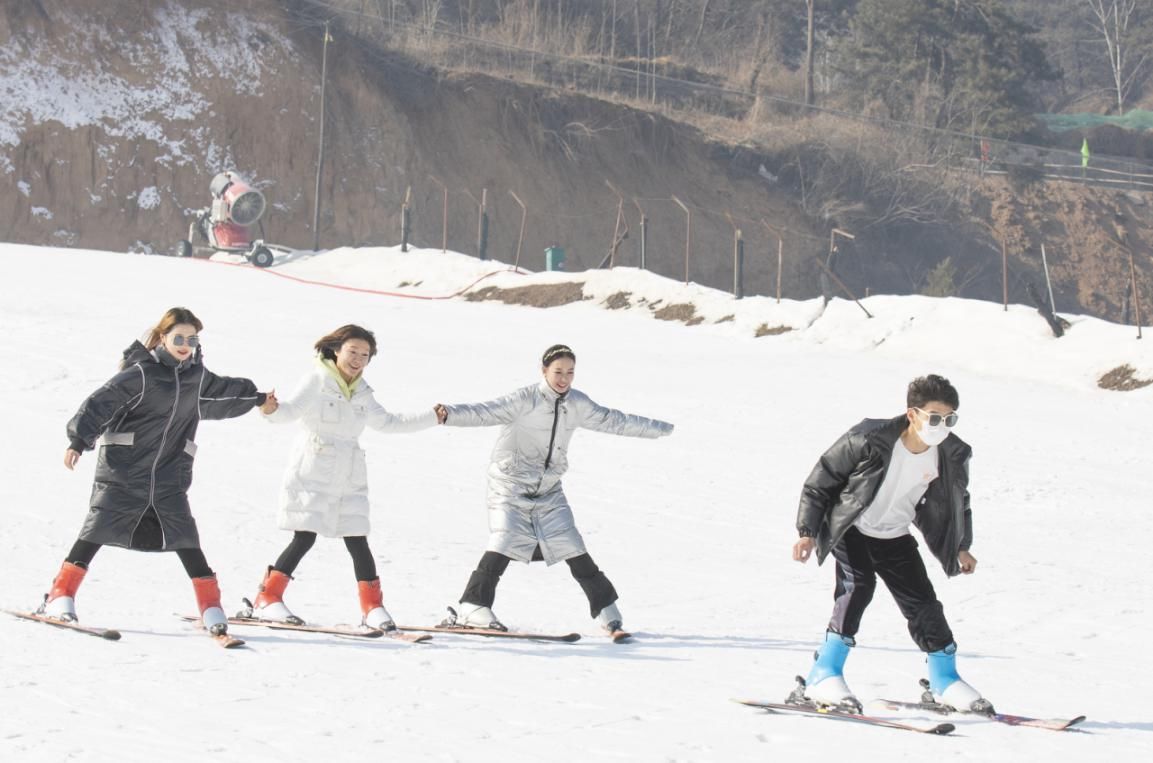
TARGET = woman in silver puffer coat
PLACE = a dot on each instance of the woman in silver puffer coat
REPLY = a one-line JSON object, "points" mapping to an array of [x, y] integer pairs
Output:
{"points": [[529, 515]]}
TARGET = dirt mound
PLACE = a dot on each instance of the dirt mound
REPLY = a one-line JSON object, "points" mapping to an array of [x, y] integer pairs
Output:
{"points": [[684, 312], [1123, 378], [618, 301], [537, 295]]}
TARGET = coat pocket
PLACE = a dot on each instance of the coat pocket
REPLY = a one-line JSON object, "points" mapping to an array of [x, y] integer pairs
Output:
{"points": [[115, 452], [318, 464], [185, 464], [358, 479], [330, 411]]}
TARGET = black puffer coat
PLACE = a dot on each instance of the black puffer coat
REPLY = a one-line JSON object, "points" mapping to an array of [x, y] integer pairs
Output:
{"points": [[144, 419], [846, 479]]}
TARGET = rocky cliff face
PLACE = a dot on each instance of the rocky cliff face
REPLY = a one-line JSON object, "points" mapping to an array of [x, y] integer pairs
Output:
{"points": [[117, 114]]}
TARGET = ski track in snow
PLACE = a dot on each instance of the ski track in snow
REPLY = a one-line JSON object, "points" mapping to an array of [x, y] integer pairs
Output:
{"points": [[695, 530]]}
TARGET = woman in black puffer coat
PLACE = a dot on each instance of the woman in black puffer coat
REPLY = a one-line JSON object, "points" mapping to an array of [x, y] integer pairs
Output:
{"points": [[144, 422]]}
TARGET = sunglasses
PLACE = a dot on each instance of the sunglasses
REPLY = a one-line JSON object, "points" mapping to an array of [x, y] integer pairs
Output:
{"points": [[180, 341], [935, 419]]}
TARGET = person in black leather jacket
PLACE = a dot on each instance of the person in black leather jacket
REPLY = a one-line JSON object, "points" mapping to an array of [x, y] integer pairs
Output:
{"points": [[878, 479], [144, 421]]}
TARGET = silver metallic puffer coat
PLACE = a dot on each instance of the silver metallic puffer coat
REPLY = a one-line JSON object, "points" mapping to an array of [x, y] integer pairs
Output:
{"points": [[526, 503]]}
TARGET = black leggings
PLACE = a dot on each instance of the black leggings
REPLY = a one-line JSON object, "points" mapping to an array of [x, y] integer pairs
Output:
{"points": [[362, 562], [192, 558], [481, 588]]}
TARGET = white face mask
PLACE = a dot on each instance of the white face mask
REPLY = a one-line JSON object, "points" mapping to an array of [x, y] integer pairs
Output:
{"points": [[932, 435]]}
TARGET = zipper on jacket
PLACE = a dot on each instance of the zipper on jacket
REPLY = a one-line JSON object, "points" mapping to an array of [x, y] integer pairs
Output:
{"points": [[552, 437], [155, 461]]}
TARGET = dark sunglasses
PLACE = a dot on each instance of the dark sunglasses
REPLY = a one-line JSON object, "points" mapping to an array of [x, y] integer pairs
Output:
{"points": [[180, 341], [935, 419]]}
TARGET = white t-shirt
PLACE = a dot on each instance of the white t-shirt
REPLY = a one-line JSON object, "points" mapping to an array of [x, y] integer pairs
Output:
{"points": [[895, 505]]}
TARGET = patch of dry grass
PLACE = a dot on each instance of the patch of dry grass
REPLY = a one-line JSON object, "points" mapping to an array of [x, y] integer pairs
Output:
{"points": [[1123, 378]]}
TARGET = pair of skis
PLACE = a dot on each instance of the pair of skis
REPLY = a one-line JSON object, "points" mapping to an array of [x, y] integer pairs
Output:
{"points": [[416, 634], [1052, 724], [349, 631], [409, 634]]}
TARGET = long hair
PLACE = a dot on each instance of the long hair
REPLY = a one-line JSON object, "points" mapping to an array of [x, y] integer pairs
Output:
{"points": [[173, 317], [328, 344]]}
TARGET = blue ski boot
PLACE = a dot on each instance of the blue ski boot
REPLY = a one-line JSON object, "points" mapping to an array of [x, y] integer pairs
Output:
{"points": [[825, 686], [945, 687]]}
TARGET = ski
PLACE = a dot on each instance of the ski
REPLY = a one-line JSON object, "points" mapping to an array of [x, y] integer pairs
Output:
{"points": [[1052, 724], [104, 633], [336, 630], [227, 641], [461, 630], [409, 638], [817, 712]]}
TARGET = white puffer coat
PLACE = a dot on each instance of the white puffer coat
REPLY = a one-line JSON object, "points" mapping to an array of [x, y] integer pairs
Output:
{"points": [[527, 505], [325, 489]]}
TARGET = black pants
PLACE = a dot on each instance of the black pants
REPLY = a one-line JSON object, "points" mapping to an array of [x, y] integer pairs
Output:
{"points": [[860, 561], [192, 558], [481, 588], [362, 562]]}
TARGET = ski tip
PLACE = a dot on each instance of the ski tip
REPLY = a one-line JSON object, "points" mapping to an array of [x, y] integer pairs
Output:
{"points": [[621, 637], [942, 728], [111, 635]]}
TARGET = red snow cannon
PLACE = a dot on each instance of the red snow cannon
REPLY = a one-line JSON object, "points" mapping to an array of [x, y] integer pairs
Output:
{"points": [[226, 226]]}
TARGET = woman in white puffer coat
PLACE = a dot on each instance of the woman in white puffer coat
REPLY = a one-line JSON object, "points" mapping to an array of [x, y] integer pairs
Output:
{"points": [[529, 515], [325, 489]]}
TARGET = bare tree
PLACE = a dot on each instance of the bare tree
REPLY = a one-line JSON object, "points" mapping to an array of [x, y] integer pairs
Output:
{"points": [[701, 22], [809, 52], [1116, 20]]}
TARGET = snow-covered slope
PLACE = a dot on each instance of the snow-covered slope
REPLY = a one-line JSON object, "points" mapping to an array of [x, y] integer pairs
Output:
{"points": [[694, 530]]}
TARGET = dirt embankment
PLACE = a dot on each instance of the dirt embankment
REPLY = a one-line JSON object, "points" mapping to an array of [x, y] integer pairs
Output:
{"points": [[169, 93], [1089, 235]]}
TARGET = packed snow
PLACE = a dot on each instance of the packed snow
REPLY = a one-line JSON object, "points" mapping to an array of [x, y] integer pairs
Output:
{"points": [[695, 530]]}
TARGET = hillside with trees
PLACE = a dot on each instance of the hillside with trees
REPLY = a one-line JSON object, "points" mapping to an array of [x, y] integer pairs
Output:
{"points": [[907, 124]]}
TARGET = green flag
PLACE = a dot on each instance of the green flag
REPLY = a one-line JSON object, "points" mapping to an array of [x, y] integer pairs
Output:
{"points": [[1085, 152]]}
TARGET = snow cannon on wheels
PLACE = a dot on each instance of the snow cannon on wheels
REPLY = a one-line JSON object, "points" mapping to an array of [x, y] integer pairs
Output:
{"points": [[226, 226]]}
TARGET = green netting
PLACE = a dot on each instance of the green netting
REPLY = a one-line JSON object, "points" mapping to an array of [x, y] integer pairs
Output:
{"points": [[1137, 119]]}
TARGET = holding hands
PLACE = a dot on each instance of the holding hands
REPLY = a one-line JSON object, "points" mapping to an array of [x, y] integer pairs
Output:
{"points": [[270, 403]]}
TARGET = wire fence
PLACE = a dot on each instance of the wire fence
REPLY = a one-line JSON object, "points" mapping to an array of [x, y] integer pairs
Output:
{"points": [[656, 80], [752, 249]]}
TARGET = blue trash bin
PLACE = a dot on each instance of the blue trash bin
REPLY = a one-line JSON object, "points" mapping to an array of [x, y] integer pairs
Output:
{"points": [[554, 258]]}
